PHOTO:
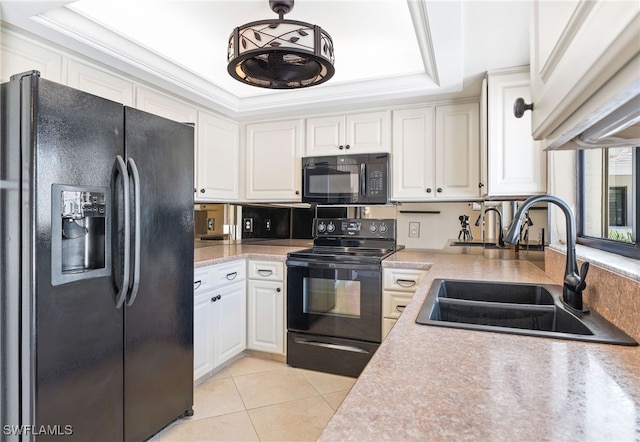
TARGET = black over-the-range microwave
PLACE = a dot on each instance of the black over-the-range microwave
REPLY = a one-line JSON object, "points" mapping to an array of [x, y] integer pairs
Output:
{"points": [[346, 179]]}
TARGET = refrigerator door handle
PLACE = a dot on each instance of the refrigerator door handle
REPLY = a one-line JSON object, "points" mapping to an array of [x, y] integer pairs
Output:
{"points": [[120, 168], [131, 165]]}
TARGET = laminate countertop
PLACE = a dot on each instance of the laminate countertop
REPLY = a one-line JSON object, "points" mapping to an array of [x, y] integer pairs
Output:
{"points": [[431, 383]]}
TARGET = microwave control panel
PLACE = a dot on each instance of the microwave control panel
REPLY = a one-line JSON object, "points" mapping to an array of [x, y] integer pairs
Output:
{"points": [[375, 181]]}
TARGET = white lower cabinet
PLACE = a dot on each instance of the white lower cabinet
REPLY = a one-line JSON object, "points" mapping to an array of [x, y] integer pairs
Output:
{"points": [[398, 287], [229, 321], [265, 309], [219, 315]]}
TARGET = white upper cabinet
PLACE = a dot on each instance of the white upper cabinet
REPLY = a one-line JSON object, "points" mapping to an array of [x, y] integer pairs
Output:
{"points": [[346, 134], [217, 159], [273, 161], [164, 105], [412, 157], [93, 80], [458, 151], [516, 164], [19, 55], [436, 153], [576, 47]]}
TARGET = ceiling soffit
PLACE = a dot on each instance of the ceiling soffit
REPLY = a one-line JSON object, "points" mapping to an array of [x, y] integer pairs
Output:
{"points": [[438, 31]]}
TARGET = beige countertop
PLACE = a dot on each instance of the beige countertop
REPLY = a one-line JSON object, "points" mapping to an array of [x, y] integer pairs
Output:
{"points": [[206, 254], [435, 383]]}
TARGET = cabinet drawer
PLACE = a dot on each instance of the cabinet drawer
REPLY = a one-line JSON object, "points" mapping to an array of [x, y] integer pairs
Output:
{"points": [[403, 280], [202, 280], [393, 303], [266, 270], [228, 273]]}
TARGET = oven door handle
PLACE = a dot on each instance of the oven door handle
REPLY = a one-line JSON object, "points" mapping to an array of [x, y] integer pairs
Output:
{"points": [[332, 265], [331, 346]]}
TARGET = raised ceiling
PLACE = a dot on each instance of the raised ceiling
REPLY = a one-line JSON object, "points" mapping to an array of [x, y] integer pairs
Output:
{"points": [[387, 51]]}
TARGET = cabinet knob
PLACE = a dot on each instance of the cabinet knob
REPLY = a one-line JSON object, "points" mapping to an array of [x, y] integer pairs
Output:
{"points": [[341, 147], [195, 190], [202, 190], [297, 192], [278, 290], [347, 146], [480, 185], [439, 190], [428, 189], [520, 107]]}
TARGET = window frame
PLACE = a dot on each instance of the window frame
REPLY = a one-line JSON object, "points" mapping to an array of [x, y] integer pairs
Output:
{"points": [[630, 250]]}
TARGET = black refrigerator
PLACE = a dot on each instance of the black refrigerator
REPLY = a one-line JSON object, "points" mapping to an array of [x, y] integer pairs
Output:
{"points": [[96, 228]]}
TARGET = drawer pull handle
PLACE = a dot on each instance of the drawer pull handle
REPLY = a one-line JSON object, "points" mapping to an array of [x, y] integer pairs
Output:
{"points": [[265, 273], [405, 282], [215, 298], [400, 308], [197, 284], [232, 276]]}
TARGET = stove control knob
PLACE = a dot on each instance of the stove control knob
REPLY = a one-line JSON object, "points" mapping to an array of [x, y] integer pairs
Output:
{"points": [[322, 227], [373, 228], [383, 228], [331, 227]]}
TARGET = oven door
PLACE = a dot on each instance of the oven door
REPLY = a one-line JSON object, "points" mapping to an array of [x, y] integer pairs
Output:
{"points": [[343, 300]]}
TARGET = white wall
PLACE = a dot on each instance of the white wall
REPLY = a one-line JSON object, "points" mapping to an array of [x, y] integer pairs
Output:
{"points": [[562, 183]]}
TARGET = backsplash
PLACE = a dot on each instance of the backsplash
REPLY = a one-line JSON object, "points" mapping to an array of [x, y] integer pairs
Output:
{"points": [[614, 296], [437, 223]]}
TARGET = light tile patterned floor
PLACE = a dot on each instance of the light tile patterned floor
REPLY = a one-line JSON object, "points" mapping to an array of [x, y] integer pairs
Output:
{"points": [[260, 399]]}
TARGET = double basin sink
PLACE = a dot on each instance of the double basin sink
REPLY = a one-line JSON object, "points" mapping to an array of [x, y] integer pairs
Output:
{"points": [[526, 309]]}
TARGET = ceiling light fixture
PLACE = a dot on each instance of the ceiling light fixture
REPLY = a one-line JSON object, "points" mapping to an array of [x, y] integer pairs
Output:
{"points": [[279, 53]]}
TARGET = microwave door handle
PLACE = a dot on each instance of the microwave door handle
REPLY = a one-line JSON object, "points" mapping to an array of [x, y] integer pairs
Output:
{"points": [[363, 179]]}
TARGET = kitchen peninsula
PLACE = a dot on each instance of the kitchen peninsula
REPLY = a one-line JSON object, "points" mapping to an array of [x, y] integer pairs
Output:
{"points": [[435, 383]]}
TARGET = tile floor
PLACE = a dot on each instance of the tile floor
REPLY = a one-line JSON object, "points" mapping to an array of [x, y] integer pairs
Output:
{"points": [[260, 399]]}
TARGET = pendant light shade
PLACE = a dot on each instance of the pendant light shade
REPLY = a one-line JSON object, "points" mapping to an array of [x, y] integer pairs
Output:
{"points": [[279, 53]]}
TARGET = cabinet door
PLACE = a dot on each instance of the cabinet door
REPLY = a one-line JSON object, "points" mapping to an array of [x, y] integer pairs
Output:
{"points": [[20, 55], [229, 322], [367, 133], [217, 159], [265, 321], [458, 151], [165, 106], [576, 47], [98, 82], [202, 335], [274, 165], [325, 136], [516, 163], [412, 158]]}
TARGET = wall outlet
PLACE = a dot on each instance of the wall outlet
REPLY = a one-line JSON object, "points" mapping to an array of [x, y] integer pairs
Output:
{"points": [[247, 225], [414, 230]]}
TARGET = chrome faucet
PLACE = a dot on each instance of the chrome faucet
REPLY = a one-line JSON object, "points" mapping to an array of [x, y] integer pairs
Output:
{"points": [[500, 234], [574, 281]]}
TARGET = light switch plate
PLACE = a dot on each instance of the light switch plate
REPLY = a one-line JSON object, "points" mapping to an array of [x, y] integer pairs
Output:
{"points": [[414, 230]]}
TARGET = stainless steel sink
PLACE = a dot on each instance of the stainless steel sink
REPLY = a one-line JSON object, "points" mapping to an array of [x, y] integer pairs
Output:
{"points": [[527, 309]]}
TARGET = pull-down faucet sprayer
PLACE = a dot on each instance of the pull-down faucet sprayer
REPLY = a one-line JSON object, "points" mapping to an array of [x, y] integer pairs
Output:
{"points": [[574, 281], [500, 234]]}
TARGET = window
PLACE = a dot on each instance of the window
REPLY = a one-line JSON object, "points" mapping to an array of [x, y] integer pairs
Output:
{"points": [[608, 199]]}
